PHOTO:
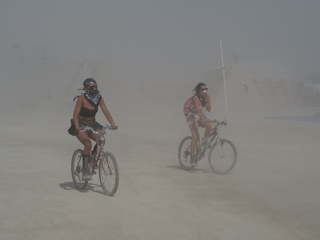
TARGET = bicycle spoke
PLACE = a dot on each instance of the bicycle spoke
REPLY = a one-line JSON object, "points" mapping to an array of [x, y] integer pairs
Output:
{"points": [[76, 170], [184, 153], [222, 158], [108, 172]]}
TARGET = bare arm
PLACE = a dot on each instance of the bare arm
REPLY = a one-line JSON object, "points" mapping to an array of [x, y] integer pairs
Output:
{"points": [[76, 112], [196, 103], [208, 104], [106, 112]]}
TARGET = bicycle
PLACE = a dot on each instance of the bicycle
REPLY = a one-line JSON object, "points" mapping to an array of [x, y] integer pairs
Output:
{"points": [[222, 155], [108, 167]]}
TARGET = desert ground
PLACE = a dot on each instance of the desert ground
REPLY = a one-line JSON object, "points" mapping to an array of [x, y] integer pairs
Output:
{"points": [[273, 191]]}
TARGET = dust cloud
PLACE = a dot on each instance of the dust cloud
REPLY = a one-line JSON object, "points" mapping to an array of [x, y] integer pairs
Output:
{"points": [[146, 58]]}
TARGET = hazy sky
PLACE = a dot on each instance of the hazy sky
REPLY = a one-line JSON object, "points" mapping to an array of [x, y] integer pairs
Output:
{"points": [[166, 39]]}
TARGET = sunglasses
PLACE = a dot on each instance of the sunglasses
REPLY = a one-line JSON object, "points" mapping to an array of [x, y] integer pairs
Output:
{"points": [[204, 89]]}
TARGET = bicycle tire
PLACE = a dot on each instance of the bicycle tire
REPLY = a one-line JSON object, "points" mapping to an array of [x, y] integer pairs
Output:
{"points": [[77, 170], [184, 153], [223, 165], [109, 174]]}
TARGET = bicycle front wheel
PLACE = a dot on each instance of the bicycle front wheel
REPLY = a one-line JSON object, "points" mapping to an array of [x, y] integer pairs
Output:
{"points": [[108, 174], [77, 170], [222, 161], [184, 153]]}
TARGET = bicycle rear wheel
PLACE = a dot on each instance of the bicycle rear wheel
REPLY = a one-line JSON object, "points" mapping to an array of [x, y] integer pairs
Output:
{"points": [[108, 174], [222, 162], [184, 153], [77, 170]]}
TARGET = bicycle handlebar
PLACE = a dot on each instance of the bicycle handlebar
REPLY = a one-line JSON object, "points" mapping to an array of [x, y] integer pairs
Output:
{"points": [[220, 123]]}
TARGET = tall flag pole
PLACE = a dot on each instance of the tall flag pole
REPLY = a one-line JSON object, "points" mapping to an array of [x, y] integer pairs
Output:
{"points": [[84, 69], [224, 80]]}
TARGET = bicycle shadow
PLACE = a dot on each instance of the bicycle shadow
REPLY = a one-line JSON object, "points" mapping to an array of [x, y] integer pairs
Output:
{"points": [[195, 169], [91, 187]]}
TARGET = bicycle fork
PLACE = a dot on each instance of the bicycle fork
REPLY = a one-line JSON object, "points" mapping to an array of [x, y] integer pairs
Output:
{"points": [[220, 150], [110, 170]]}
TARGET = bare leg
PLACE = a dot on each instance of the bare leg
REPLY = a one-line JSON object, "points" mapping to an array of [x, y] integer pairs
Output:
{"points": [[85, 140], [208, 128], [194, 128]]}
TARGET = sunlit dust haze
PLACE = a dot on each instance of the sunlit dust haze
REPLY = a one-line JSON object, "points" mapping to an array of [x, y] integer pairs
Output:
{"points": [[147, 56], [43, 43]]}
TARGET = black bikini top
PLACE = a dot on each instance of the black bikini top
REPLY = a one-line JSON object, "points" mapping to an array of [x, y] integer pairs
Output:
{"points": [[87, 113], [94, 101]]}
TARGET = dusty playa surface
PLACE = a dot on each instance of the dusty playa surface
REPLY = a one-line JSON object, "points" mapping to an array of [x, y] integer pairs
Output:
{"points": [[272, 193]]}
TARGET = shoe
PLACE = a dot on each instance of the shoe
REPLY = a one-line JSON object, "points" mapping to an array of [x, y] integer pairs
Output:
{"points": [[86, 175], [193, 161]]}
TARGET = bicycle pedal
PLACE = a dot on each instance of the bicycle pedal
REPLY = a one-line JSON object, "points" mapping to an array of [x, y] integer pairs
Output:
{"points": [[89, 179]]}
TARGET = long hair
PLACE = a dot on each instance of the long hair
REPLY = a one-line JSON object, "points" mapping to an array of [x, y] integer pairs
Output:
{"points": [[197, 88]]}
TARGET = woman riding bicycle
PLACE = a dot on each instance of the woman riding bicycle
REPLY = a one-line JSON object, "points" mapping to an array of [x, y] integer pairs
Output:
{"points": [[197, 117], [84, 115]]}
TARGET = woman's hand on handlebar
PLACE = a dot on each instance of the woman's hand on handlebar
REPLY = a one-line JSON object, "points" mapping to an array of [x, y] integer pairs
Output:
{"points": [[79, 129], [203, 123], [114, 127]]}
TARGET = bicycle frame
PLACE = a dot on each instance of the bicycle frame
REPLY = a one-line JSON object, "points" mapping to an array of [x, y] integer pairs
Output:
{"points": [[96, 158], [222, 154], [213, 135], [100, 149], [108, 168]]}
